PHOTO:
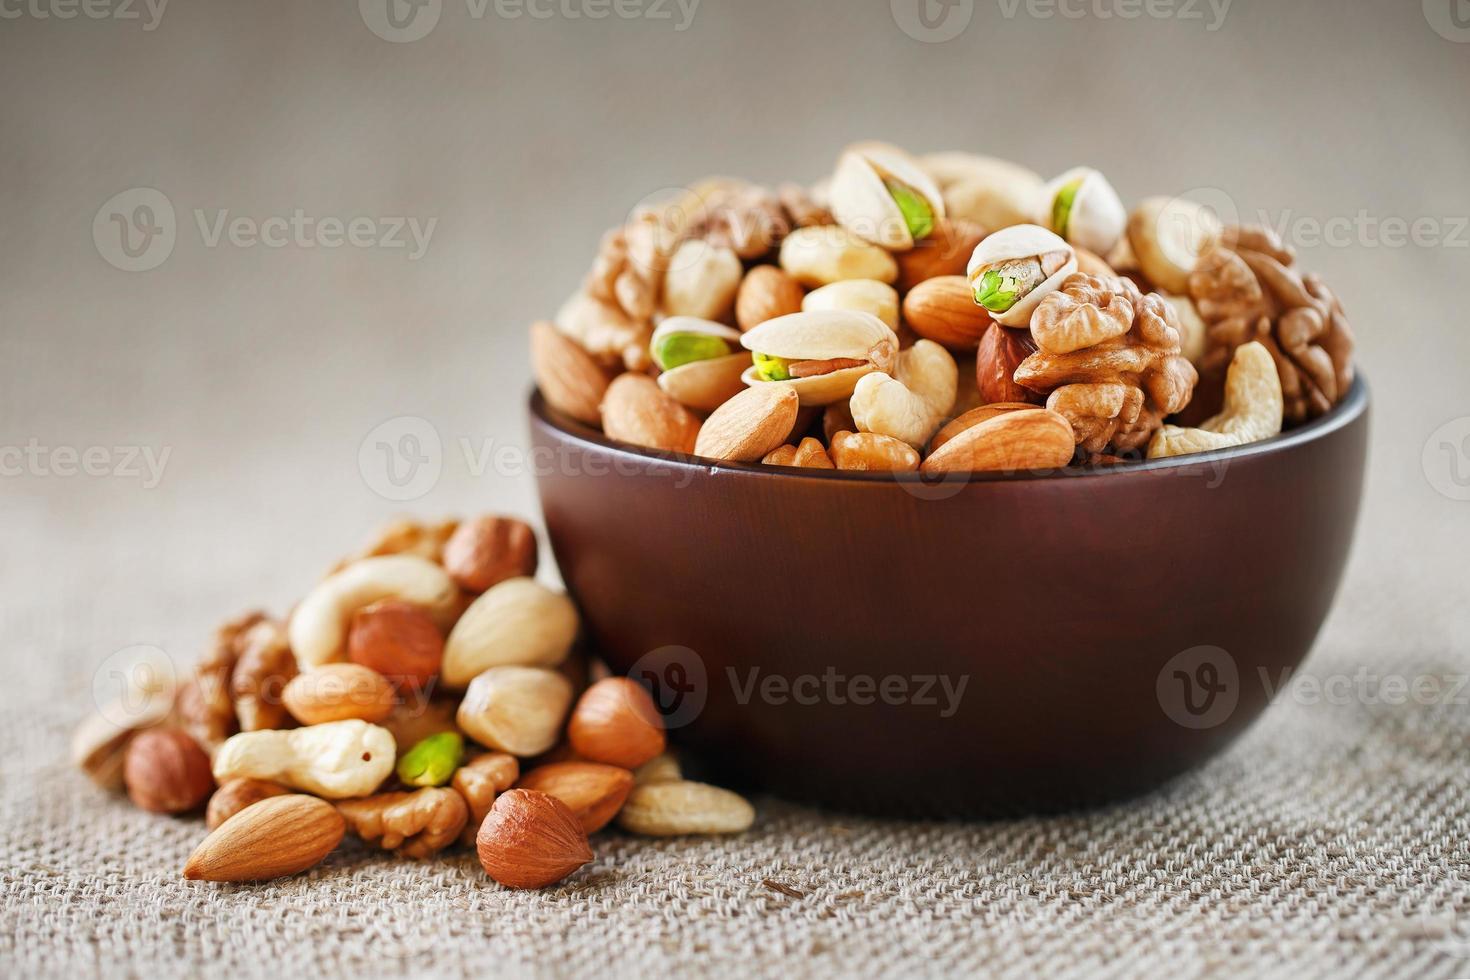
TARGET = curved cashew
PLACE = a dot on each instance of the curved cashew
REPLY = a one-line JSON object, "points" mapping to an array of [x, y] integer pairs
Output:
{"points": [[337, 760], [518, 622], [1253, 409], [911, 406], [319, 624]]}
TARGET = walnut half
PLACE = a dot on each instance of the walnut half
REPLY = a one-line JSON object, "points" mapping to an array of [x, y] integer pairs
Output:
{"points": [[417, 824]]}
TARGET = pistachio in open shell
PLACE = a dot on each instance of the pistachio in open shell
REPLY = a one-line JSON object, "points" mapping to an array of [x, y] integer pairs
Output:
{"points": [[1011, 271], [1082, 207], [701, 361], [820, 354], [884, 196]]}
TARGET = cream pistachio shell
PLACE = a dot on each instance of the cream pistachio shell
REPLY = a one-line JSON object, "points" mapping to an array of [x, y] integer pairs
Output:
{"points": [[862, 203], [1097, 216], [693, 324], [706, 385], [867, 295], [818, 336], [991, 192], [1019, 242]]}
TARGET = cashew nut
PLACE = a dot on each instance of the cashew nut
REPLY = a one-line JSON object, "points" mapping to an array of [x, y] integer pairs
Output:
{"points": [[318, 627], [337, 760], [518, 622], [911, 406], [1253, 409]]}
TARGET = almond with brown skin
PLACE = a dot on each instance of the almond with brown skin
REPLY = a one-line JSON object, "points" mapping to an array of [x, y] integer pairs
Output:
{"points": [[569, 379], [636, 410], [766, 292], [166, 771], [275, 837], [531, 840], [1001, 351], [235, 795], [616, 722], [1030, 439], [942, 310], [973, 418], [749, 425], [944, 253], [594, 792], [337, 692]]}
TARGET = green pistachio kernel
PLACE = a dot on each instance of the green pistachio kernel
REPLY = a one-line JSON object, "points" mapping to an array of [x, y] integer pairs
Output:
{"points": [[1004, 284], [432, 761], [917, 213], [1061, 206], [677, 349], [769, 368]]}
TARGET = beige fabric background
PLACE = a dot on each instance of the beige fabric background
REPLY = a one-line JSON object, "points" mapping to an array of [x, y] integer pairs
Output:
{"points": [[1331, 840]]}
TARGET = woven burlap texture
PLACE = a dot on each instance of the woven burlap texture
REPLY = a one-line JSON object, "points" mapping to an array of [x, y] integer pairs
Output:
{"points": [[1332, 838]]}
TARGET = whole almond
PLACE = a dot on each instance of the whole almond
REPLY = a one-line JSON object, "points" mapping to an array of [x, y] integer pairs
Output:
{"points": [[636, 410], [398, 640], [749, 425], [766, 292], [616, 722], [944, 253], [1001, 352], [531, 840], [569, 379], [337, 692], [235, 795], [1029, 439], [973, 418], [942, 310], [488, 550], [275, 837], [665, 809], [166, 771], [592, 791]]}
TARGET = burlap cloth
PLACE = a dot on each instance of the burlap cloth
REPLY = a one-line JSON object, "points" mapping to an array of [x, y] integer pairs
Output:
{"points": [[1331, 839]]}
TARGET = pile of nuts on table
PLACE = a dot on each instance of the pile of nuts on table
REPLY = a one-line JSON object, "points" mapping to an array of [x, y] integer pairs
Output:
{"points": [[428, 692], [947, 313]]}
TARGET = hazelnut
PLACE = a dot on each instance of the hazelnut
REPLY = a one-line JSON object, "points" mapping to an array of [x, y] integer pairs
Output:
{"points": [[531, 840], [488, 550], [167, 772], [398, 640], [616, 722]]}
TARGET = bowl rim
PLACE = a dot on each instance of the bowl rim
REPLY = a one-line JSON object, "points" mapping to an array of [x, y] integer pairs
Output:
{"points": [[1348, 410]]}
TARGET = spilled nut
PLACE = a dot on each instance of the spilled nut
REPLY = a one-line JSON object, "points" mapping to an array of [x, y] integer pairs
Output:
{"points": [[1082, 207], [1013, 270], [820, 355], [1254, 409], [882, 195]]}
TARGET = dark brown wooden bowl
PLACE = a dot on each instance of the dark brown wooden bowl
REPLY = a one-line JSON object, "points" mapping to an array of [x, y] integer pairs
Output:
{"points": [[1112, 629]]}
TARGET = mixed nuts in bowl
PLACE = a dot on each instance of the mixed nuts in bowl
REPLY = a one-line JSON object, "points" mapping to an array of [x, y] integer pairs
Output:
{"points": [[1013, 518], [904, 306]]}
